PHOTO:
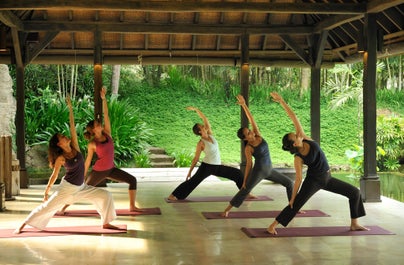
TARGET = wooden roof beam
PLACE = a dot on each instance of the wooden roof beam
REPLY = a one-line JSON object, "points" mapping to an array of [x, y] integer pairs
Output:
{"points": [[296, 48], [37, 50], [9, 19], [37, 26], [185, 6]]}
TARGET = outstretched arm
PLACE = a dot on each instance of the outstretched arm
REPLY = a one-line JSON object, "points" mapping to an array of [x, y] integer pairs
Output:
{"points": [[107, 122], [73, 132], [241, 102], [298, 127], [204, 119], [199, 149]]}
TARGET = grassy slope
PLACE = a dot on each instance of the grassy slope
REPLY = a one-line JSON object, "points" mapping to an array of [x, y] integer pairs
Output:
{"points": [[165, 112]]}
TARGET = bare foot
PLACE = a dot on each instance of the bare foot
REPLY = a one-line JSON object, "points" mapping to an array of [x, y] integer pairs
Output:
{"points": [[301, 212], [172, 198], [225, 214], [109, 226], [19, 229], [251, 196], [136, 209], [359, 228], [271, 229], [63, 211]]}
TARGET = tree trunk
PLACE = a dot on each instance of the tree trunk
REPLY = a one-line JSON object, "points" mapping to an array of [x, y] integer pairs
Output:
{"points": [[116, 75], [305, 80]]}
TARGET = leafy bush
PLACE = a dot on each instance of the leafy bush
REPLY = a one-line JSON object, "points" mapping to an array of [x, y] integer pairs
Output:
{"points": [[129, 131], [390, 137], [182, 159], [47, 114], [390, 146], [142, 159]]}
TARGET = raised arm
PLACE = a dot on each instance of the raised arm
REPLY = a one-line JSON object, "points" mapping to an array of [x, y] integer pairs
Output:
{"points": [[241, 102], [73, 132], [298, 127], [107, 122], [203, 117]]}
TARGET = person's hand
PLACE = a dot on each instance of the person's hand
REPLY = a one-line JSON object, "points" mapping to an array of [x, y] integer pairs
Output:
{"points": [[241, 100], [103, 92], [45, 197], [291, 203], [188, 176], [276, 97], [191, 108]]}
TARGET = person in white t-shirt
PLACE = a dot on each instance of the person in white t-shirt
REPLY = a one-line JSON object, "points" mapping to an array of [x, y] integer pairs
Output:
{"points": [[211, 163]]}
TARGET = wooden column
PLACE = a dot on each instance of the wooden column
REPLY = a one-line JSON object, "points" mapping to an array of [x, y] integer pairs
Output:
{"points": [[315, 104], [97, 76], [20, 126], [245, 90], [370, 183]]}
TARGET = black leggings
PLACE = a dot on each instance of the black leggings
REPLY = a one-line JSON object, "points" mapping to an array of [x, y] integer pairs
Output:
{"points": [[328, 183], [204, 171], [116, 174]]}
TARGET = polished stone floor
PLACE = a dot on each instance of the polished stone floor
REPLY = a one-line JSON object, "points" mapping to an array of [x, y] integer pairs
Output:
{"points": [[181, 235]]}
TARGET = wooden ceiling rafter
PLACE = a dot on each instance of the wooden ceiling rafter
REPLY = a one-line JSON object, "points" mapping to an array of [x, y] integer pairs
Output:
{"points": [[200, 28]]}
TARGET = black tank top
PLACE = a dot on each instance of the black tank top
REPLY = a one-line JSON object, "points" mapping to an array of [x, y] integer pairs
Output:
{"points": [[315, 160], [75, 170], [261, 154]]}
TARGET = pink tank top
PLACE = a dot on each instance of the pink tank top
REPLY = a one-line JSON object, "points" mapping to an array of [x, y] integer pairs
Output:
{"points": [[105, 154]]}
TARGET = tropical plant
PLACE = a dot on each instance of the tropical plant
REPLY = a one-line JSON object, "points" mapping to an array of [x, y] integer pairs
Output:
{"points": [[142, 159], [129, 131], [182, 158], [390, 137], [356, 159]]}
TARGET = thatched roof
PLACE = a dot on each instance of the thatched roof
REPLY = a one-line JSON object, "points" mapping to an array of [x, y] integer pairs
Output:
{"points": [[280, 32]]}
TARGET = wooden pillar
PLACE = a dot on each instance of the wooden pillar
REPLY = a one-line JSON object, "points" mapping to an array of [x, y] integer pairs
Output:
{"points": [[20, 126], [315, 104], [370, 182], [97, 76], [245, 90]]}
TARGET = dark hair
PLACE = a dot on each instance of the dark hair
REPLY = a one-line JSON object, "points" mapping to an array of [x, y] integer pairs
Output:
{"points": [[240, 134], [196, 129], [88, 134], [54, 151], [287, 144]]}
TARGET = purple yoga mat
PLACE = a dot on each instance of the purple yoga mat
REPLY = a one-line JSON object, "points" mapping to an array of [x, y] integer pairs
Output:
{"points": [[62, 231], [260, 214], [216, 199], [315, 231], [119, 212]]}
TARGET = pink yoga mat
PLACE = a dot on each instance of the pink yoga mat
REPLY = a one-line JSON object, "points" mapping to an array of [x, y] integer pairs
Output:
{"points": [[314, 231], [216, 199], [62, 231], [121, 212], [259, 214]]}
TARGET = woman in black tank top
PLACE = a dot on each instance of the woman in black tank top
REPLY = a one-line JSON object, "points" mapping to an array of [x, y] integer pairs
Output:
{"points": [[318, 176]]}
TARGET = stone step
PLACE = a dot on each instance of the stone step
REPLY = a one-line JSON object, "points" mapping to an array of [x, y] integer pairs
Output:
{"points": [[156, 150], [160, 158], [162, 164]]}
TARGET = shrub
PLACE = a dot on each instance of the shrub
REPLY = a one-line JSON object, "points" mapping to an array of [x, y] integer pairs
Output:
{"points": [[182, 159]]}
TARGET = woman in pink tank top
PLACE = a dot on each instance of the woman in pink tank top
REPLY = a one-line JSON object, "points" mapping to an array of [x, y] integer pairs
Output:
{"points": [[102, 144]]}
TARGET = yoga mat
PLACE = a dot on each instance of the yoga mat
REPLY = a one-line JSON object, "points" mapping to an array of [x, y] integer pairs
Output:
{"points": [[62, 231], [119, 212], [216, 199], [315, 231], [259, 214]]}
